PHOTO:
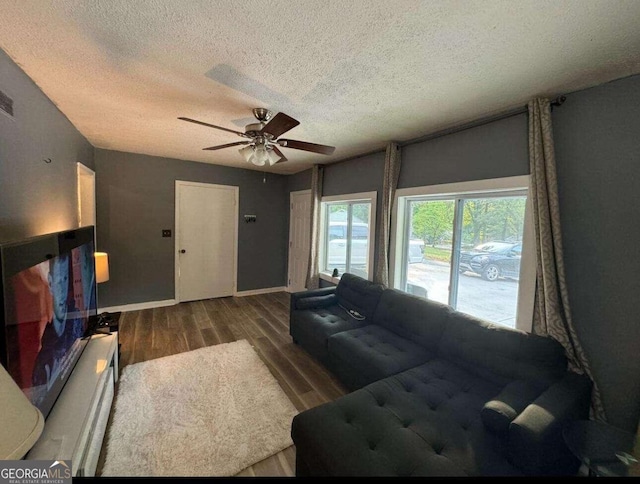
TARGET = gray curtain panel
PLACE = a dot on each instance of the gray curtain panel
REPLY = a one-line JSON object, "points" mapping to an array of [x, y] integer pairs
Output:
{"points": [[552, 313], [313, 279], [391, 174]]}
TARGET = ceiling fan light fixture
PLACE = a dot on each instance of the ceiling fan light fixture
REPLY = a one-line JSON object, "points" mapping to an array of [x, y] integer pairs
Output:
{"points": [[263, 138], [247, 153], [273, 157], [260, 155]]}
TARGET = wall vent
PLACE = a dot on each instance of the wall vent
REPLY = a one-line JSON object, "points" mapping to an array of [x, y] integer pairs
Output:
{"points": [[6, 104]]}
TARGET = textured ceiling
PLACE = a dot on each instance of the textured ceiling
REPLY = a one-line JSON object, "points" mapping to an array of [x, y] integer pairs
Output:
{"points": [[355, 73]]}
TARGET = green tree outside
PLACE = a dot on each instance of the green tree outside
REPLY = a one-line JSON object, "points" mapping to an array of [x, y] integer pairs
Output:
{"points": [[484, 220], [432, 221]]}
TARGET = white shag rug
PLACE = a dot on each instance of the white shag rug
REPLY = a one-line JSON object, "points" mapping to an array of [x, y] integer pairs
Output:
{"points": [[209, 412]]}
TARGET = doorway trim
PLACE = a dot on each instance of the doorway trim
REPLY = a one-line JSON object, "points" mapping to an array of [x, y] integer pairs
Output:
{"points": [[236, 204], [290, 241]]}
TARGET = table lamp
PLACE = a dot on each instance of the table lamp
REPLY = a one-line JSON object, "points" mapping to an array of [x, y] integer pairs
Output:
{"points": [[102, 275], [20, 422], [102, 267]]}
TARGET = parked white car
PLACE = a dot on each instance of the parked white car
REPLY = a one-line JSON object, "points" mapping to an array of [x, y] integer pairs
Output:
{"points": [[337, 247], [338, 230], [337, 252]]}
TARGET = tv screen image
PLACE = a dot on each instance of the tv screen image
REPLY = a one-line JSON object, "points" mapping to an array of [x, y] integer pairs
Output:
{"points": [[47, 310]]}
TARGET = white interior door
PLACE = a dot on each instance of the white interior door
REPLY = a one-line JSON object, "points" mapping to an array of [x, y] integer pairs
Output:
{"points": [[86, 196], [206, 240], [299, 234]]}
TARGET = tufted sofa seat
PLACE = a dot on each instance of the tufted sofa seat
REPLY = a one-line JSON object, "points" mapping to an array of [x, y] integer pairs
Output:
{"points": [[425, 421], [316, 315], [363, 355], [437, 392], [395, 339]]}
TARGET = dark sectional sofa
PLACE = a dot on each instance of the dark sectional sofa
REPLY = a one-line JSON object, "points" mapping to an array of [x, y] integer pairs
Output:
{"points": [[435, 392]]}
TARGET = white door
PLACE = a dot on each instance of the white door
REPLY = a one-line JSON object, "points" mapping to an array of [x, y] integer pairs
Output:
{"points": [[299, 233], [206, 240], [86, 196]]}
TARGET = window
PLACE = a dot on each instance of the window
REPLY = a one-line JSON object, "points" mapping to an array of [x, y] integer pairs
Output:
{"points": [[347, 234], [467, 248]]}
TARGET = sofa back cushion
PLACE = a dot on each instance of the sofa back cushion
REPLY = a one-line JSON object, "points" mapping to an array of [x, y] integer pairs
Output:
{"points": [[416, 319], [501, 354], [356, 293]]}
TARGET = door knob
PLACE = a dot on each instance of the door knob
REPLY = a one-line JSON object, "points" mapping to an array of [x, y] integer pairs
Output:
{"points": [[183, 251]]}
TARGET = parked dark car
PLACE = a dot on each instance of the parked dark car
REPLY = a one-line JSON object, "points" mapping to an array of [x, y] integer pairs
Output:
{"points": [[493, 260]]}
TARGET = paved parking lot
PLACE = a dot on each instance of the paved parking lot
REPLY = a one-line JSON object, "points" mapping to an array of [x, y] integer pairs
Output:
{"points": [[493, 301]]}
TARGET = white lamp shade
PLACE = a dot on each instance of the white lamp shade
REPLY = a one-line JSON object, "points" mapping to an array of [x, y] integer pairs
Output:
{"points": [[273, 157], [102, 267], [247, 153], [20, 422], [260, 156]]}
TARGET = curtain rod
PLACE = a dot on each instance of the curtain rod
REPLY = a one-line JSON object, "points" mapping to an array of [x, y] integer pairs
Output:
{"points": [[558, 101]]}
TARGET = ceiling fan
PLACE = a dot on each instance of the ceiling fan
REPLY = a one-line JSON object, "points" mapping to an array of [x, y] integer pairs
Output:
{"points": [[263, 144]]}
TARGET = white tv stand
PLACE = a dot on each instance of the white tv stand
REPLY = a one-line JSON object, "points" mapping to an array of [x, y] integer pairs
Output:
{"points": [[76, 425]]}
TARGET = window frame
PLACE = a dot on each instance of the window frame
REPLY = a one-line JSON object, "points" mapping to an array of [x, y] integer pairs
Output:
{"points": [[352, 198], [497, 187]]}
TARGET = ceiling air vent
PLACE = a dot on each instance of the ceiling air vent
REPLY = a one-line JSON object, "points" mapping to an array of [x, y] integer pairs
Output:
{"points": [[6, 104]]}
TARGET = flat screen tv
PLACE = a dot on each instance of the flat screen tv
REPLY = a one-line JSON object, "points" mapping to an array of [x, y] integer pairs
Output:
{"points": [[48, 293]]}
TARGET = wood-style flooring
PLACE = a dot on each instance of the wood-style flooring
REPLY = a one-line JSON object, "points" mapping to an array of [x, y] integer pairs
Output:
{"points": [[263, 320]]}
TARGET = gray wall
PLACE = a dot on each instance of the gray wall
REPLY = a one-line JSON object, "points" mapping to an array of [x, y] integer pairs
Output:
{"points": [[598, 155], [135, 201], [299, 181], [36, 197], [363, 174], [494, 150]]}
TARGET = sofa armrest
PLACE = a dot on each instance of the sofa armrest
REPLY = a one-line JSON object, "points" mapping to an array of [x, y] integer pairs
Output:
{"points": [[498, 413], [536, 444], [314, 293]]}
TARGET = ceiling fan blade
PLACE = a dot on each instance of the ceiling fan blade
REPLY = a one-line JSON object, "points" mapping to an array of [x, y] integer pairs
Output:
{"points": [[303, 145], [280, 124], [213, 126], [277, 151], [228, 145]]}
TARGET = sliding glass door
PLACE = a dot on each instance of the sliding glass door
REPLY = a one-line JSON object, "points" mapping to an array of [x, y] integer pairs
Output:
{"points": [[466, 251]]}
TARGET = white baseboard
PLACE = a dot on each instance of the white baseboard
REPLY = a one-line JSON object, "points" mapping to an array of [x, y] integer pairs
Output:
{"points": [[266, 290], [172, 302], [138, 306]]}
